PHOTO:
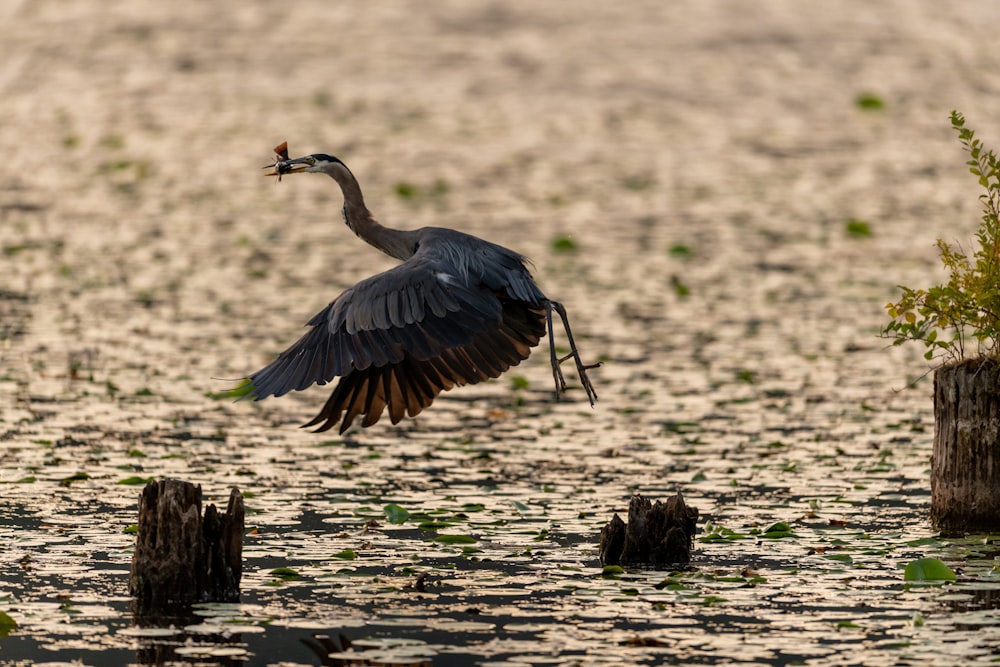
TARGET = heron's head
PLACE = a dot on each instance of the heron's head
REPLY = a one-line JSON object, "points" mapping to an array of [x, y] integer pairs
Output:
{"points": [[315, 163]]}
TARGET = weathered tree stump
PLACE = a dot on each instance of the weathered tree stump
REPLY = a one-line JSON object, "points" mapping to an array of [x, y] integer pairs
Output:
{"points": [[657, 534], [965, 468], [181, 557]]}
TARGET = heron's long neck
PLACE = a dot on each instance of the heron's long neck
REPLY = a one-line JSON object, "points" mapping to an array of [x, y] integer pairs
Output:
{"points": [[393, 242]]}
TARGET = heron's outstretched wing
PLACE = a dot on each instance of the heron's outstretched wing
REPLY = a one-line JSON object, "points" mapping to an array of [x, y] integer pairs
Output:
{"points": [[412, 384], [401, 337]]}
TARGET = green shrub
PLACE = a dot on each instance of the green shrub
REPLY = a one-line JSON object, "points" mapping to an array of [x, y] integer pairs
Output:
{"points": [[961, 316]]}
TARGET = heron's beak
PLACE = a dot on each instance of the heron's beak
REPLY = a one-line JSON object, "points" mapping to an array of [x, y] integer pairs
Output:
{"points": [[293, 166]]}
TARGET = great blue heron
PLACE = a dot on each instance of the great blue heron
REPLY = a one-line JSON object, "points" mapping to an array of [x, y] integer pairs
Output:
{"points": [[458, 310]]}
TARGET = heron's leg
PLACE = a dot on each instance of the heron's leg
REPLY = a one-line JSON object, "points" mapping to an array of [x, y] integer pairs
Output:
{"points": [[581, 368], [557, 374]]}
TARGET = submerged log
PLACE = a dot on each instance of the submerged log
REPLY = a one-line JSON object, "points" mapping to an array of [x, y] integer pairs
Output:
{"points": [[657, 534], [181, 557], [965, 468]]}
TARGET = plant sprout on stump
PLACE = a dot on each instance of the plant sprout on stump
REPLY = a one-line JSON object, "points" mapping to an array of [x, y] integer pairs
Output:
{"points": [[965, 469]]}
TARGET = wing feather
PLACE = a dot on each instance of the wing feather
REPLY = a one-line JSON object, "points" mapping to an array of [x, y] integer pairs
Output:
{"points": [[398, 339]]}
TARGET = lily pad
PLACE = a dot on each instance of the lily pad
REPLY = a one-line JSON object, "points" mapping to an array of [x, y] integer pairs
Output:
{"points": [[928, 569], [395, 514], [7, 624], [455, 539]]}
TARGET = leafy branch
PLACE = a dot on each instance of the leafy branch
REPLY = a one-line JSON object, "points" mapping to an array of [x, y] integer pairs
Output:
{"points": [[950, 318]]}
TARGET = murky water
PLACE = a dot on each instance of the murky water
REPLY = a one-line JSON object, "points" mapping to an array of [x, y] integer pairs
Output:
{"points": [[704, 161]]}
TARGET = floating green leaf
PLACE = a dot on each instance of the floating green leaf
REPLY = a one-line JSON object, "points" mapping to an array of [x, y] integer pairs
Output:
{"points": [[611, 571], [778, 531], [406, 190], [680, 289], [722, 534], [681, 250], [842, 558], [519, 382], [284, 573], [564, 243], [869, 102], [6, 624], [346, 554], [135, 480], [928, 569], [858, 228], [712, 600], [76, 477], [455, 539], [395, 514]]}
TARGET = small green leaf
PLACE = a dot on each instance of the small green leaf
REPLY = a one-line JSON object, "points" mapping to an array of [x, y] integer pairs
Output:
{"points": [[564, 243], [778, 531], [842, 558], [455, 539], [346, 554], [76, 477], [520, 382], [135, 480], [712, 600], [7, 624], [680, 289], [869, 102], [284, 573], [928, 569], [681, 250], [406, 190], [612, 570], [858, 228], [395, 514]]}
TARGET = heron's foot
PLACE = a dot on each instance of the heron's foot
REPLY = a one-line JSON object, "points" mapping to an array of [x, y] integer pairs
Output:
{"points": [[581, 371], [574, 354]]}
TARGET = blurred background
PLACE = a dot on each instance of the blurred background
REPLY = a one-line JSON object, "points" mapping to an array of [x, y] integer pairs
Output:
{"points": [[683, 175]]}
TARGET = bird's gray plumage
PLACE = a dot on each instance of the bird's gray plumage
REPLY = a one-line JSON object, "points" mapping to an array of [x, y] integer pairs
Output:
{"points": [[458, 310]]}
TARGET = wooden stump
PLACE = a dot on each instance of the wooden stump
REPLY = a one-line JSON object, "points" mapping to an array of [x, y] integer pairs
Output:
{"points": [[181, 557], [657, 534], [965, 469]]}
